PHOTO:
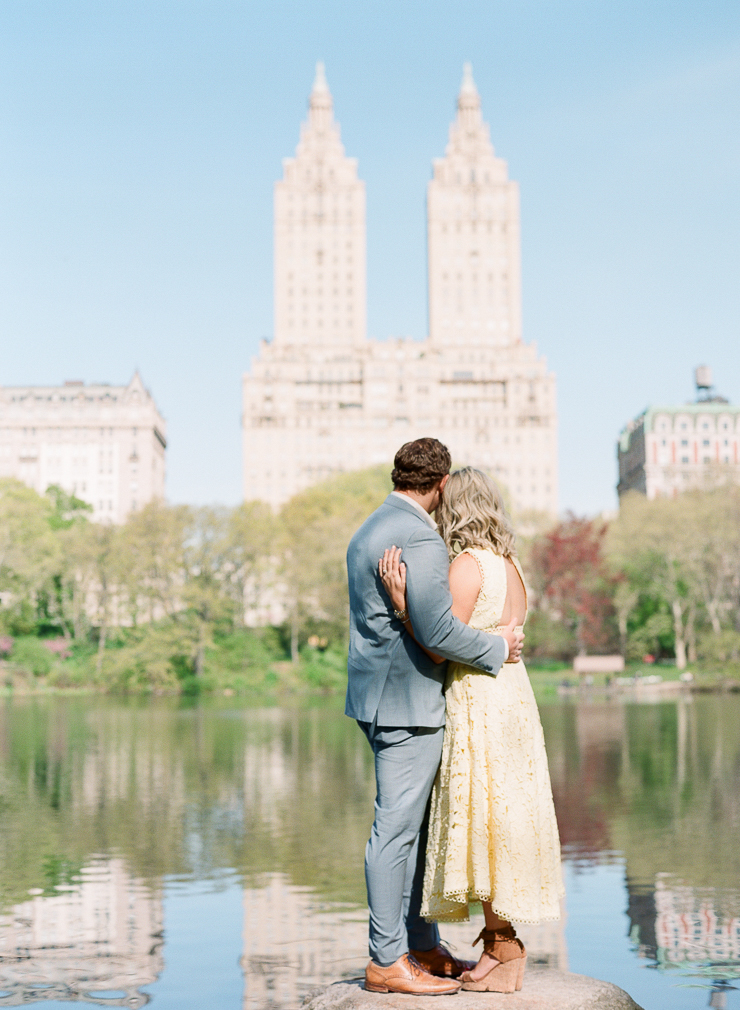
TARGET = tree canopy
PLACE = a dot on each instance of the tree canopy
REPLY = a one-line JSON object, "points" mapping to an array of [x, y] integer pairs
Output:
{"points": [[180, 595]]}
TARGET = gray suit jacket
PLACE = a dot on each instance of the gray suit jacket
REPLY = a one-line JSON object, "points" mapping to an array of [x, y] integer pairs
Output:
{"points": [[390, 677]]}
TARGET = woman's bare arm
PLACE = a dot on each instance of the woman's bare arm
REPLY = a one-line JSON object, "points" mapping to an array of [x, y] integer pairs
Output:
{"points": [[465, 583]]}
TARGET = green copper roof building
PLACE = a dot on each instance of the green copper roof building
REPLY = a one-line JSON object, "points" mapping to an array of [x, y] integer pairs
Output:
{"points": [[669, 449]]}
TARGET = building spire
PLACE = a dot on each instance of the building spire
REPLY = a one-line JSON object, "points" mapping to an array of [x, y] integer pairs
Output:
{"points": [[319, 81], [467, 87], [320, 103], [468, 100]]}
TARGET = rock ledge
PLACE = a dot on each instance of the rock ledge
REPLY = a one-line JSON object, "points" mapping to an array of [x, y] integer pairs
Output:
{"points": [[544, 989]]}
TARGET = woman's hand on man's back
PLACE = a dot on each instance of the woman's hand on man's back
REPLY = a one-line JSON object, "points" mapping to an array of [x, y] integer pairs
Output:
{"points": [[392, 573]]}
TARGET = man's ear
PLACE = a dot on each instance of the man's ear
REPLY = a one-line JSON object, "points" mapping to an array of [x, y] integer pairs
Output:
{"points": [[443, 482]]}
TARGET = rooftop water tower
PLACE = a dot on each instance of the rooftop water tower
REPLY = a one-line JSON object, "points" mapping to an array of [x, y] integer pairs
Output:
{"points": [[705, 392], [703, 380]]}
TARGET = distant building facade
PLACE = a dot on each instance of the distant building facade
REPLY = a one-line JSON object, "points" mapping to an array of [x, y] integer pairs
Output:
{"points": [[666, 450], [321, 398], [104, 444]]}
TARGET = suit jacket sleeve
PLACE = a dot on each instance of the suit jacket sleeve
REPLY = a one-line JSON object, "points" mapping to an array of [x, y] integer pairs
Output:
{"points": [[430, 608]]}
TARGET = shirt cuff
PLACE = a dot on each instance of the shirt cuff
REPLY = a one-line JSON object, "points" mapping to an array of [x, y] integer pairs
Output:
{"points": [[506, 648]]}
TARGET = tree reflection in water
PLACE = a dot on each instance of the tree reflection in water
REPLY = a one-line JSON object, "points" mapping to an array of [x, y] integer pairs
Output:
{"points": [[659, 786], [100, 799]]}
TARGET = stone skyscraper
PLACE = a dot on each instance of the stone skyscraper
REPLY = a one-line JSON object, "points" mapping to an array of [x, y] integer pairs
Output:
{"points": [[321, 398], [473, 238], [320, 237], [495, 398]]}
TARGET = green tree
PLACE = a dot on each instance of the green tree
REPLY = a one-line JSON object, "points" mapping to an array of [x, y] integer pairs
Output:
{"points": [[652, 543], [153, 542], [29, 551], [713, 558], [250, 550], [205, 595], [66, 508], [63, 600], [317, 525], [106, 560]]}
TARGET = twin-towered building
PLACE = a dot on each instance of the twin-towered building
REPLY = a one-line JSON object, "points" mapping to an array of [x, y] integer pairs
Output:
{"points": [[322, 398]]}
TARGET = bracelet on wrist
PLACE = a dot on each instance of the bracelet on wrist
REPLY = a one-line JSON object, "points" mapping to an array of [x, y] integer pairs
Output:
{"points": [[401, 615]]}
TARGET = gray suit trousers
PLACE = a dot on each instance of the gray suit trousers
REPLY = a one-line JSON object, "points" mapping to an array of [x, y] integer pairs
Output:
{"points": [[406, 762]]}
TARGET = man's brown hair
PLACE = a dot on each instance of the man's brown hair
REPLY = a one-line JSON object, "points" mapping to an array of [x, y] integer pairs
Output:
{"points": [[420, 464]]}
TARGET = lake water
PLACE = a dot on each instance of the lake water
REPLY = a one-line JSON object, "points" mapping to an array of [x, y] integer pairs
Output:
{"points": [[210, 854]]}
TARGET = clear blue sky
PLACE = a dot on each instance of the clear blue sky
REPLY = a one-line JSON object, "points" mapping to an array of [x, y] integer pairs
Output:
{"points": [[140, 141]]}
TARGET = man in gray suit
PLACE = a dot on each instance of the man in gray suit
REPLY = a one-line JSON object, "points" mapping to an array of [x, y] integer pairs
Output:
{"points": [[395, 692]]}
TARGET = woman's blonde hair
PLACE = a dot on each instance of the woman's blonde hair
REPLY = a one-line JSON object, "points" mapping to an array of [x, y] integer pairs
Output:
{"points": [[472, 514]]}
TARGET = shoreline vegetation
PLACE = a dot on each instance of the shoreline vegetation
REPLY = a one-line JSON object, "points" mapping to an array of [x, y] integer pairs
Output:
{"points": [[255, 676], [246, 602]]}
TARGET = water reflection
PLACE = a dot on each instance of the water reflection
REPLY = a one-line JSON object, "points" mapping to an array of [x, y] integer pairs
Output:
{"points": [[696, 930], [100, 800], [102, 931], [657, 786], [294, 941]]}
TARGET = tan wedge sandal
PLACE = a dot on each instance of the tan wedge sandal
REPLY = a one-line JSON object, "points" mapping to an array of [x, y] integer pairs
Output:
{"points": [[506, 976]]}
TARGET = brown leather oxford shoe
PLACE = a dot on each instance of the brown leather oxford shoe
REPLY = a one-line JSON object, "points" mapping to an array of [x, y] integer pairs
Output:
{"points": [[407, 975], [439, 961]]}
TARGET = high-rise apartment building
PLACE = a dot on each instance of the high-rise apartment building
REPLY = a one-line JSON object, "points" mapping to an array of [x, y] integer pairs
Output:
{"points": [[321, 398], [473, 238], [104, 444], [320, 237]]}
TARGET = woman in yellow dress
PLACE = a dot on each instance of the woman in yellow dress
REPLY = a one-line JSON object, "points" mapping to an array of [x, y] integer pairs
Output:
{"points": [[493, 836]]}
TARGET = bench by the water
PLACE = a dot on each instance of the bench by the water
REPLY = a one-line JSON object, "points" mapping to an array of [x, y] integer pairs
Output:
{"points": [[598, 664]]}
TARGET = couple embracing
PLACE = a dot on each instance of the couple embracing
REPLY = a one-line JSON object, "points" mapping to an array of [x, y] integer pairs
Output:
{"points": [[463, 811]]}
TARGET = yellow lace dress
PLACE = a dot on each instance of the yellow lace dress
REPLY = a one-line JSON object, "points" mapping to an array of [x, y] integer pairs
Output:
{"points": [[492, 829]]}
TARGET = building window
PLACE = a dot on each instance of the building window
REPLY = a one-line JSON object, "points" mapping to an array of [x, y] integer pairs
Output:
{"points": [[684, 459]]}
